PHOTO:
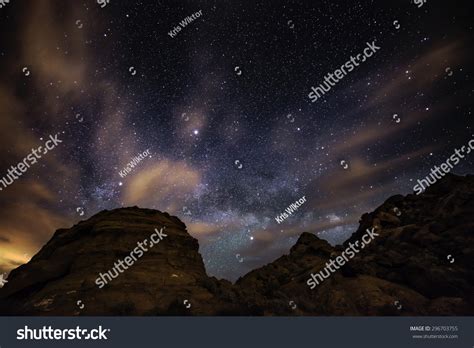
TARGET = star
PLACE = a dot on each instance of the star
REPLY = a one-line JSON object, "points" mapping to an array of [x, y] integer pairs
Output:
{"points": [[168, 107]]}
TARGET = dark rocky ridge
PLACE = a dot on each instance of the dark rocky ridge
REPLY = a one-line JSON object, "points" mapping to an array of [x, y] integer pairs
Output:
{"points": [[406, 263]]}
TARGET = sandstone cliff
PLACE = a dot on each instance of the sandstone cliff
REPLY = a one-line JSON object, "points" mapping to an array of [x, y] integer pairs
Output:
{"points": [[404, 271]]}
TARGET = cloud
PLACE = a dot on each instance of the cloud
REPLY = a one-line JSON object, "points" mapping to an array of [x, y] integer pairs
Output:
{"points": [[35, 205], [4, 239], [163, 185], [27, 222], [424, 71], [41, 34], [202, 229], [361, 172]]}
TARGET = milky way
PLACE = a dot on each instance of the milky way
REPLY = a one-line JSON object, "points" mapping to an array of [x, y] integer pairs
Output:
{"points": [[223, 108]]}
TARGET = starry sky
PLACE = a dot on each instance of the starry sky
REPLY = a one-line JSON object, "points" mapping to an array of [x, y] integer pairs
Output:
{"points": [[223, 108]]}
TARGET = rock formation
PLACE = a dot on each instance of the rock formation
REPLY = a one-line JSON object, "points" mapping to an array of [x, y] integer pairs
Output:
{"points": [[420, 264]]}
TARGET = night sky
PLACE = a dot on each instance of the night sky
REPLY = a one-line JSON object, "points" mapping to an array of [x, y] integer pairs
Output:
{"points": [[223, 108]]}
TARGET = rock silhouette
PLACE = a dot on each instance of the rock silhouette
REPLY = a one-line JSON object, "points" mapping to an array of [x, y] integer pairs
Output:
{"points": [[404, 271]]}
